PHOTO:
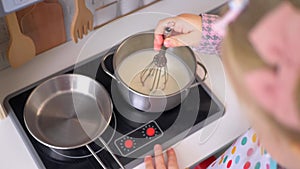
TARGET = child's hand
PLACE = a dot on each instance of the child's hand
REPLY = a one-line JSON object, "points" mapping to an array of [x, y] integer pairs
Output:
{"points": [[159, 159], [187, 31]]}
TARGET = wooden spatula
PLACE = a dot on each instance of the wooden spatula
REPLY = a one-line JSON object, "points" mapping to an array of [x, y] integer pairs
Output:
{"points": [[21, 48]]}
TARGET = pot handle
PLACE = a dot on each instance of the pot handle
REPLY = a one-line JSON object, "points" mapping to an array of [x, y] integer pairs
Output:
{"points": [[203, 78], [104, 67]]}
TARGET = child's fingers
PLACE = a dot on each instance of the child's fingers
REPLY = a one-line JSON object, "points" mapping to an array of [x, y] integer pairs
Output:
{"points": [[172, 159], [159, 158], [172, 42], [188, 39], [148, 162]]}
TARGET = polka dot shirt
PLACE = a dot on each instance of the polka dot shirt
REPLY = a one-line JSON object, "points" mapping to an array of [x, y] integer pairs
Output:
{"points": [[245, 153]]}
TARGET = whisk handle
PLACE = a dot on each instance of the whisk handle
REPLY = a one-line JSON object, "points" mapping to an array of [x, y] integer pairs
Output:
{"points": [[163, 49], [167, 33], [169, 29]]}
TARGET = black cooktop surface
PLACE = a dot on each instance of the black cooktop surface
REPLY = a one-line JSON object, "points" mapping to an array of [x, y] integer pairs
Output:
{"points": [[131, 134]]}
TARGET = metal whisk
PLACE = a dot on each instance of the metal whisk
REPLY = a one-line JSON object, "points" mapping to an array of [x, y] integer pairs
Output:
{"points": [[158, 67]]}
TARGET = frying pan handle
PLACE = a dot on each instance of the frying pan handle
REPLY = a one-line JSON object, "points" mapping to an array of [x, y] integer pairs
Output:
{"points": [[111, 153], [96, 157], [109, 150], [104, 67], [203, 78]]}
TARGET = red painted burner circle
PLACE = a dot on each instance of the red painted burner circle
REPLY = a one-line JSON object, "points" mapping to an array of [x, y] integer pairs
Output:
{"points": [[128, 143], [150, 131]]}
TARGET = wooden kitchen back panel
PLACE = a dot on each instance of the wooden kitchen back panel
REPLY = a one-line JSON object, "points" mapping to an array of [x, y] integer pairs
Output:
{"points": [[48, 24], [44, 24], [4, 40]]}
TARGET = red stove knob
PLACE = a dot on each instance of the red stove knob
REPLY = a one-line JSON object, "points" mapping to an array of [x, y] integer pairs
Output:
{"points": [[128, 143], [150, 131]]}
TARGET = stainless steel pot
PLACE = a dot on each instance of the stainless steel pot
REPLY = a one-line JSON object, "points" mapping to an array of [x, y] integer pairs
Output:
{"points": [[152, 103], [69, 111]]}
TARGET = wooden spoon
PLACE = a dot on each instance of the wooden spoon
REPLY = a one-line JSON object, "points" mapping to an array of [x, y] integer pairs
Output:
{"points": [[21, 48]]}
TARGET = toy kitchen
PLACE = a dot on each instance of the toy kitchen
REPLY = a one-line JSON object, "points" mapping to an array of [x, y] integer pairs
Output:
{"points": [[206, 120]]}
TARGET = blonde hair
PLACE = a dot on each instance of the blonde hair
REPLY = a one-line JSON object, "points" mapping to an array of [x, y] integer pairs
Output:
{"points": [[240, 57]]}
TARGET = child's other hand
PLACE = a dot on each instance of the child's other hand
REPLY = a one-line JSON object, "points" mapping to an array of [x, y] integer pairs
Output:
{"points": [[159, 159]]}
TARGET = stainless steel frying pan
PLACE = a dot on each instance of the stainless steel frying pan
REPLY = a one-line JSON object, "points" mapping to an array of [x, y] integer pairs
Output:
{"points": [[69, 111]]}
